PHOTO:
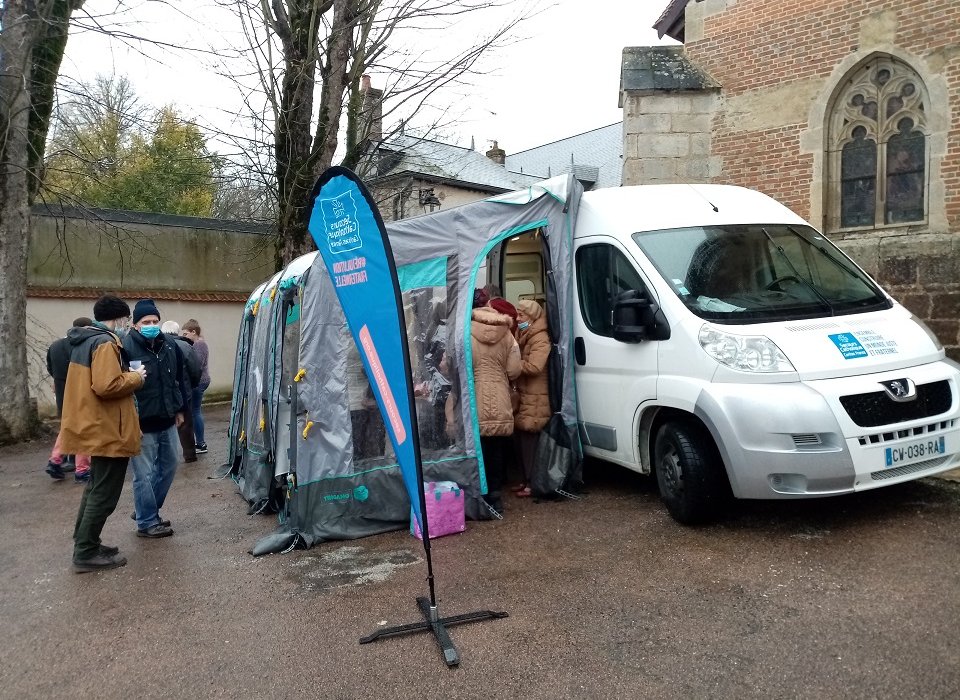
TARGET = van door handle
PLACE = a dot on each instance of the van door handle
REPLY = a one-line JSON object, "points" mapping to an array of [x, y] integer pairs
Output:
{"points": [[579, 351]]}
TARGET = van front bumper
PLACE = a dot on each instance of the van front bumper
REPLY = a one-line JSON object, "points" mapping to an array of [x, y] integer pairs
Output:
{"points": [[796, 440]]}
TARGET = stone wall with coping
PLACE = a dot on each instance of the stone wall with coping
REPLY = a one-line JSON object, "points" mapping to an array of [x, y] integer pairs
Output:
{"points": [[192, 268]]}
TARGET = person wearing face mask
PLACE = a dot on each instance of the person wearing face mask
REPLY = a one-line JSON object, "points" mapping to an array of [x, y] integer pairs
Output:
{"points": [[100, 420], [534, 410], [160, 405]]}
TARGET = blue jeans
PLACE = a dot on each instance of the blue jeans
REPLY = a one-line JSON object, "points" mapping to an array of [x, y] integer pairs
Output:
{"points": [[196, 399], [153, 472]]}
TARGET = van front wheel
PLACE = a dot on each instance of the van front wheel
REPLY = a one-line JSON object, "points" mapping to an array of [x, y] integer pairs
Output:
{"points": [[689, 474]]}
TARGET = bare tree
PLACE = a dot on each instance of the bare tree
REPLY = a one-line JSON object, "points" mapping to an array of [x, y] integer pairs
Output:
{"points": [[33, 35], [309, 57]]}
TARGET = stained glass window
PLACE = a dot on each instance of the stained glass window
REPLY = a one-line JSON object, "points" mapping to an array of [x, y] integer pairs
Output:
{"points": [[878, 148]]}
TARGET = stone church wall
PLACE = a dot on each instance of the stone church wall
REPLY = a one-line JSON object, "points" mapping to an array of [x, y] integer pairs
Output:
{"points": [[779, 66]]}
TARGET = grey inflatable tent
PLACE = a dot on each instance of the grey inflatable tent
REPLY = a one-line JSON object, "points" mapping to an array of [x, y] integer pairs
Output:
{"points": [[306, 439]]}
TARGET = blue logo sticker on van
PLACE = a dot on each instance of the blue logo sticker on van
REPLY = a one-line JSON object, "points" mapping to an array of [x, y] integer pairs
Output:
{"points": [[848, 345]]}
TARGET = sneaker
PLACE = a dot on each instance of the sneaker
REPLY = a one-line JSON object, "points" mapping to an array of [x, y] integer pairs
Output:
{"points": [[99, 562], [81, 478], [156, 531], [202, 448], [54, 470], [108, 551]]}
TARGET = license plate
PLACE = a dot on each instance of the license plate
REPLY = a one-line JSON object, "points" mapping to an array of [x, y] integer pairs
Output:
{"points": [[914, 452]]}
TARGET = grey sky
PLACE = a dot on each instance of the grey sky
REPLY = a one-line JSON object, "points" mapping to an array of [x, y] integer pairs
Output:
{"points": [[562, 81]]}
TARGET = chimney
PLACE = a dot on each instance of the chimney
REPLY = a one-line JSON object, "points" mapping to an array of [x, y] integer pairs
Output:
{"points": [[497, 155], [371, 111]]}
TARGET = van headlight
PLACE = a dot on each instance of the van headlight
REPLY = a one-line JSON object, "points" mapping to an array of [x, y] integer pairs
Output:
{"points": [[747, 353]]}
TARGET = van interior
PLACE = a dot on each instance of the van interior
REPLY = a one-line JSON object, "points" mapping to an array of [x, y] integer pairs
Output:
{"points": [[517, 266]]}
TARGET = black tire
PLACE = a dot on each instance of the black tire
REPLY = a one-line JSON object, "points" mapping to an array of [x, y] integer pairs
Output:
{"points": [[690, 474]]}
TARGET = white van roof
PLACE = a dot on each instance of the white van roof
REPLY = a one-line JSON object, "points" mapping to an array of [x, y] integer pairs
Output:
{"points": [[626, 210]]}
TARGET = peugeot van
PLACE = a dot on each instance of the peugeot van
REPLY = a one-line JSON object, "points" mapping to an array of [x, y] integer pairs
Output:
{"points": [[726, 346]]}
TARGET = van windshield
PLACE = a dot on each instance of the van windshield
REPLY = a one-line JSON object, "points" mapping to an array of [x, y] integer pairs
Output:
{"points": [[753, 273]]}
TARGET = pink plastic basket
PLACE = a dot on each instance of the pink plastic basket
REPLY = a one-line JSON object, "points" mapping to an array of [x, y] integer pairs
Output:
{"points": [[444, 510]]}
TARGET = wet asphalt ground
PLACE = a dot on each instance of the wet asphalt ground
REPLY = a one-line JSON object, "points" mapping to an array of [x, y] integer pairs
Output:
{"points": [[852, 597]]}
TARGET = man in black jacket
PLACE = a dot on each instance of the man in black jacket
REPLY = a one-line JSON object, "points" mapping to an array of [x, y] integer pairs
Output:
{"points": [[160, 406], [58, 360]]}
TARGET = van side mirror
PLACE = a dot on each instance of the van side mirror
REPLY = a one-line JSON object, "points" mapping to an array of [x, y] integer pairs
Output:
{"points": [[637, 318]]}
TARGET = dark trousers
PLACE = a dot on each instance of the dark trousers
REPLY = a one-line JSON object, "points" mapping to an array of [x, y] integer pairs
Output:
{"points": [[527, 444], [187, 442], [497, 454], [99, 501]]}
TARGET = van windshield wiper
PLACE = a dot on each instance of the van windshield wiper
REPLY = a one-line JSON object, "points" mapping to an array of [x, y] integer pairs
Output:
{"points": [[796, 272], [836, 263]]}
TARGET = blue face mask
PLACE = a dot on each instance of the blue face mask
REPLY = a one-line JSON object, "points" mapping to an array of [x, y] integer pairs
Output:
{"points": [[150, 332], [523, 326]]}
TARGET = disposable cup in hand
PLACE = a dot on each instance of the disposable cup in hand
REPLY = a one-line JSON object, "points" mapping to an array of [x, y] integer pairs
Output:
{"points": [[135, 365]]}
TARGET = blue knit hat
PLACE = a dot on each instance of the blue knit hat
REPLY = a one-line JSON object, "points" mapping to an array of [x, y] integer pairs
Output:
{"points": [[145, 307]]}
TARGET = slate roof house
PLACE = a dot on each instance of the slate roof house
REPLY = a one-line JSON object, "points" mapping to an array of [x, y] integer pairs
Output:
{"points": [[410, 175], [594, 157]]}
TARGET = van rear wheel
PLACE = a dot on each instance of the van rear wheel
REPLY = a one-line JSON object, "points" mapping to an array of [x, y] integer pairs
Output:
{"points": [[689, 473]]}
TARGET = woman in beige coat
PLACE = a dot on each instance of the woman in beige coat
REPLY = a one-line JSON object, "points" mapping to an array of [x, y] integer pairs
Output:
{"points": [[496, 361], [534, 411]]}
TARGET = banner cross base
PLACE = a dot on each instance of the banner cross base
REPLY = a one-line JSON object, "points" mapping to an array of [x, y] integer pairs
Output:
{"points": [[438, 625]]}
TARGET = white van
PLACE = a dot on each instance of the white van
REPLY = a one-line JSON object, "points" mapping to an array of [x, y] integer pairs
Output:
{"points": [[727, 346]]}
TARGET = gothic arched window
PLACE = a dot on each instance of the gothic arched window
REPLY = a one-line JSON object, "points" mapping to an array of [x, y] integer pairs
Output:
{"points": [[878, 147]]}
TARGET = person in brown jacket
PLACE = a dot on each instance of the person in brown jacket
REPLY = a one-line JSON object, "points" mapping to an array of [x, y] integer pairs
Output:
{"points": [[496, 361], [100, 420], [534, 410]]}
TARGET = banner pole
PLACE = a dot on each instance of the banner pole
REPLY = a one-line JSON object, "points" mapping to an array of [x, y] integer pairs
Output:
{"points": [[353, 243]]}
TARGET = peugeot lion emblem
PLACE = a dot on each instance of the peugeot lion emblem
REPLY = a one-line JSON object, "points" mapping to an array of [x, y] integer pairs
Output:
{"points": [[900, 390]]}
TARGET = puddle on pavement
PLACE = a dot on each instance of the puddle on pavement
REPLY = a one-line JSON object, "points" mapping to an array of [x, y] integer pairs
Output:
{"points": [[348, 566]]}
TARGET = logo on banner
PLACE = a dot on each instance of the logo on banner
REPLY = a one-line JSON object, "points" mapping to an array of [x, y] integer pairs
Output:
{"points": [[340, 222]]}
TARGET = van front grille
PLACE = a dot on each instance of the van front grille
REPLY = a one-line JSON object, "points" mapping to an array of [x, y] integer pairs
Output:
{"points": [[901, 433], [877, 408], [909, 469]]}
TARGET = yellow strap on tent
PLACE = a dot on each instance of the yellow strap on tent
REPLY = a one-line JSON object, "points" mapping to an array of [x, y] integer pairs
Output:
{"points": [[256, 307], [263, 424], [243, 436], [273, 292], [300, 375], [306, 429]]}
